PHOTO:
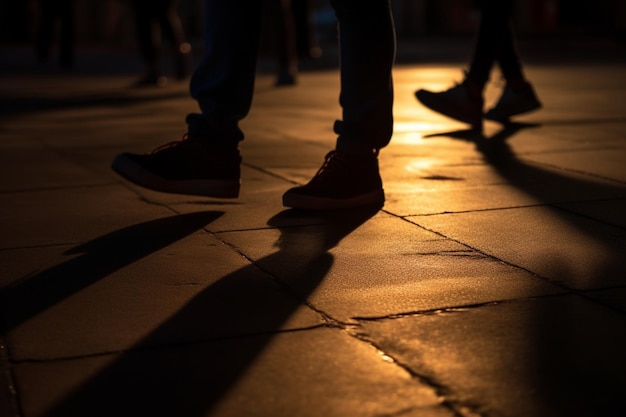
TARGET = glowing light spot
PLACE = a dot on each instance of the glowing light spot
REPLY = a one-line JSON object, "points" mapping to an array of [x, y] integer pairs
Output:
{"points": [[418, 165], [385, 357], [185, 47]]}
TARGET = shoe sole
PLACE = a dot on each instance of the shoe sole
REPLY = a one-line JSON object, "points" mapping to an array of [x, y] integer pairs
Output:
{"points": [[134, 173], [449, 111], [307, 202]]}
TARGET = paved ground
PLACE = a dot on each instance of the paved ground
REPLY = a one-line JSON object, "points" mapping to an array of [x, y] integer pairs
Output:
{"points": [[492, 283]]}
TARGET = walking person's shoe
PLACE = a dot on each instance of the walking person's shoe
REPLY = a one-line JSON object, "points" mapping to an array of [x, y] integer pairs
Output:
{"points": [[457, 102], [513, 102], [343, 181], [188, 166]]}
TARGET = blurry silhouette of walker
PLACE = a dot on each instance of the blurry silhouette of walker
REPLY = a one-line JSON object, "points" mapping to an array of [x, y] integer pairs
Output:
{"points": [[154, 20]]}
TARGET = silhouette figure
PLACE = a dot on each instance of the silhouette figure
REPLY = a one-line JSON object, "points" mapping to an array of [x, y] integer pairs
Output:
{"points": [[51, 12], [283, 25], [154, 20], [293, 35], [494, 43], [207, 161]]}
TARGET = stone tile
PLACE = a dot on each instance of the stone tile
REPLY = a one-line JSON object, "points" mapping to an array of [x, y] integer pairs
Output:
{"points": [[321, 372], [421, 185], [606, 163], [607, 211], [29, 166], [351, 267], [614, 297], [554, 356], [145, 285], [72, 215], [574, 251]]}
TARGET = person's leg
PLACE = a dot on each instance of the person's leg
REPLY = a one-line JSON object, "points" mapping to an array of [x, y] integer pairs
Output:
{"points": [[172, 29], [45, 30], [207, 161], [518, 96], [464, 101], [283, 30], [66, 49], [143, 13], [350, 177], [223, 81], [306, 39], [367, 48], [493, 40]]}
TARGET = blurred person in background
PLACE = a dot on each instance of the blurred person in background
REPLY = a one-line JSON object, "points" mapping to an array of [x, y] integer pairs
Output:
{"points": [[154, 21], [52, 12], [294, 37], [283, 27], [494, 43]]}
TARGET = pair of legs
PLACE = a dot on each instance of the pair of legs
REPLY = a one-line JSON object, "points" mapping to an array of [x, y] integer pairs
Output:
{"points": [[156, 19], [207, 161], [495, 44]]}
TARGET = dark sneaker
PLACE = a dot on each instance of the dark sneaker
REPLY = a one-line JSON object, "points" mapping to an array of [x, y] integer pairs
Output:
{"points": [[514, 102], [455, 102], [343, 181], [188, 166]]}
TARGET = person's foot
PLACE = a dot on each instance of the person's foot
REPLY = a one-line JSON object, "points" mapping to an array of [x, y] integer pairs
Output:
{"points": [[513, 102], [457, 103], [343, 181], [189, 166]]}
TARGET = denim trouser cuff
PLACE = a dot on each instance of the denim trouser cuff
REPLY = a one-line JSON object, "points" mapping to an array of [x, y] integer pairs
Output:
{"points": [[205, 127]]}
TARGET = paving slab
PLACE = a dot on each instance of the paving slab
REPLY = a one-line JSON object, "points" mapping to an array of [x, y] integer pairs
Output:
{"points": [[320, 372], [573, 251], [70, 215], [552, 356]]}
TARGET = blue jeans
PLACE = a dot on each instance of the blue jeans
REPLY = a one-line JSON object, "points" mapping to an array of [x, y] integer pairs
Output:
{"points": [[223, 82]]}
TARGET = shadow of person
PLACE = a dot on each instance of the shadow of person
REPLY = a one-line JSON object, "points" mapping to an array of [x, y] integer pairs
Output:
{"points": [[574, 339], [509, 128], [556, 190], [98, 259], [571, 350], [192, 360]]}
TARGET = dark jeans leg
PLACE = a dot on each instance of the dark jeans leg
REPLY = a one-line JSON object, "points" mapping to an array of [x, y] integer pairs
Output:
{"points": [[367, 52], [169, 21], [45, 30], [144, 19], [66, 49], [223, 82], [494, 42]]}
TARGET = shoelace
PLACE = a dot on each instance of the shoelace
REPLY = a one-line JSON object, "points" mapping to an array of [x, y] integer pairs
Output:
{"points": [[330, 165], [333, 161], [170, 145]]}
